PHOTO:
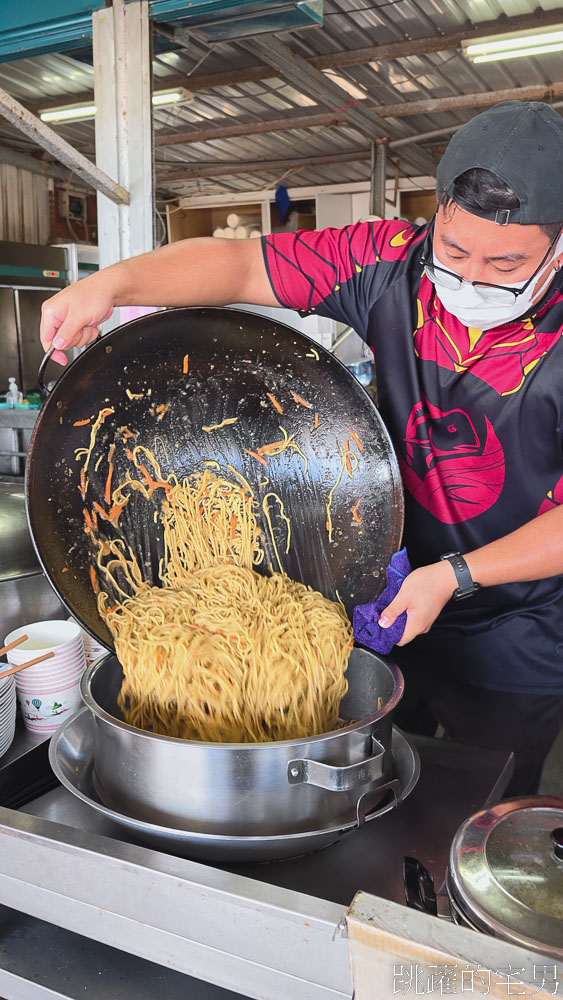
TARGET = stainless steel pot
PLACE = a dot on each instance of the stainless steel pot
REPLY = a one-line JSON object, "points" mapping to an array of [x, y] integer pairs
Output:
{"points": [[505, 875], [248, 790]]}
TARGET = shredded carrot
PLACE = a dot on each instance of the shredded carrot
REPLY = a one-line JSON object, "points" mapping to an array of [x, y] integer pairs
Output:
{"points": [[100, 510], [108, 484], [82, 423], [186, 364], [64, 569], [126, 433], [317, 420], [356, 439], [274, 402], [355, 513], [154, 484], [274, 448], [234, 525], [88, 520], [303, 402], [130, 454], [114, 607], [94, 579], [83, 484], [160, 408], [116, 511], [349, 463], [257, 456]]}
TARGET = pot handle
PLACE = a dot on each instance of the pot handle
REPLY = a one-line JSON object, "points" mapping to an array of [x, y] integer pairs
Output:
{"points": [[419, 887], [43, 390], [334, 778]]}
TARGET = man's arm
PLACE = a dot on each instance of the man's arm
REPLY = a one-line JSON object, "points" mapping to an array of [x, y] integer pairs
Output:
{"points": [[192, 272], [532, 552]]}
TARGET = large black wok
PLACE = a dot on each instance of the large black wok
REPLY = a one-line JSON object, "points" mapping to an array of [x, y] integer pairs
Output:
{"points": [[235, 360]]}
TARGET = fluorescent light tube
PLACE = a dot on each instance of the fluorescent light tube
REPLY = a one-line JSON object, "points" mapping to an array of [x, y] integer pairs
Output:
{"points": [[80, 112], [69, 113], [534, 50], [514, 46]]}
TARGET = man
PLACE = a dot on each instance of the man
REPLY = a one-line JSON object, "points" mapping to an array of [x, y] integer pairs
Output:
{"points": [[465, 318]]}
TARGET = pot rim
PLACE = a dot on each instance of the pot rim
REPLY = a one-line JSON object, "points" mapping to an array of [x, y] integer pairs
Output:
{"points": [[100, 713]]}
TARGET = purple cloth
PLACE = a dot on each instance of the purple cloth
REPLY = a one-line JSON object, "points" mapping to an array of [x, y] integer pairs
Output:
{"points": [[366, 616]]}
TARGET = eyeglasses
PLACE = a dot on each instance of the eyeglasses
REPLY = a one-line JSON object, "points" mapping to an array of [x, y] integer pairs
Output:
{"points": [[499, 294]]}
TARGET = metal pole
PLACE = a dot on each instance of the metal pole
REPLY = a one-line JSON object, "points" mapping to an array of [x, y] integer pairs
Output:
{"points": [[48, 139], [378, 178]]}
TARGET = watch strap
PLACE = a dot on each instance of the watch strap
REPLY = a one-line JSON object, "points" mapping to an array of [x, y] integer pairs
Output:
{"points": [[466, 585]]}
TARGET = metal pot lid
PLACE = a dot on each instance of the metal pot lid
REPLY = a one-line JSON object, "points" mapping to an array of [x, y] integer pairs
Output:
{"points": [[506, 871]]}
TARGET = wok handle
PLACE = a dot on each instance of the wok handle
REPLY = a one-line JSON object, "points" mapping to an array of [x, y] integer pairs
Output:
{"points": [[43, 390], [338, 779]]}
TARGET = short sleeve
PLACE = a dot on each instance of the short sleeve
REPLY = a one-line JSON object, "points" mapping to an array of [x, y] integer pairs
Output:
{"points": [[338, 273]]}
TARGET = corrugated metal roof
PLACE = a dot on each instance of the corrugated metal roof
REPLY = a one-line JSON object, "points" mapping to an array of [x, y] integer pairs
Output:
{"points": [[348, 24]]}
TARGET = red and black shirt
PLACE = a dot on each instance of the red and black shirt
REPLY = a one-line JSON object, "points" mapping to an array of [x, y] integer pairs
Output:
{"points": [[476, 419]]}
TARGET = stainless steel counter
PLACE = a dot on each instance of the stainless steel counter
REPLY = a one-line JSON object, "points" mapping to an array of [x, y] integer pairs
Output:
{"points": [[266, 930]]}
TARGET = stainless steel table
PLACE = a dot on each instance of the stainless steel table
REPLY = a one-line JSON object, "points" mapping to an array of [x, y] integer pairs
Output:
{"points": [[155, 925]]}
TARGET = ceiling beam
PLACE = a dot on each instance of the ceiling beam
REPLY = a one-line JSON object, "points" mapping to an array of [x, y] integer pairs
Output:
{"points": [[320, 87], [341, 58], [193, 171], [482, 99], [210, 133], [218, 169], [402, 109]]}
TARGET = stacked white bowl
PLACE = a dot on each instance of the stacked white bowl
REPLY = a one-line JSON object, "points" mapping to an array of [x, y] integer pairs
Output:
{"points": [[7, 709], [92, 649], [49, 691]]}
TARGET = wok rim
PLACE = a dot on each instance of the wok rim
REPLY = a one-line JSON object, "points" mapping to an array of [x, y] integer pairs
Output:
{"points": [[105, 343]]}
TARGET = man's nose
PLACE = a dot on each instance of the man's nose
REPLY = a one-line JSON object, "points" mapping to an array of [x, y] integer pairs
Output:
{"points": [[471, 269]]}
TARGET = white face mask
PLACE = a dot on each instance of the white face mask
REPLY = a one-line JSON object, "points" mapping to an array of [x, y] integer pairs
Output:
{"points": [[467, 305]]}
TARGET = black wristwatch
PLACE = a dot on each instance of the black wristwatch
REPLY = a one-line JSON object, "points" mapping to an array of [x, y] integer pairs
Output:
{"points": [[467, 586]]}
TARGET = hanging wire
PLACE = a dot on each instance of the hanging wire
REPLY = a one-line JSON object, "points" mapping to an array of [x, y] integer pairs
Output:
{"points": [[361, 10]]}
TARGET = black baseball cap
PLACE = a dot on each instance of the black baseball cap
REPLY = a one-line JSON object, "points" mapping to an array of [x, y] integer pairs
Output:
{"points": [[522, 143]]}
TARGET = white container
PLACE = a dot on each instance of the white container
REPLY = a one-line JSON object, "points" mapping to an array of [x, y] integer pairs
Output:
{"points": [[92, 649], [43, 712], [48, 692]]}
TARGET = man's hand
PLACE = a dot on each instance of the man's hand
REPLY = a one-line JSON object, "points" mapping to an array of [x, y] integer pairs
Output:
{"points": [[423, 594], [72, 317]]}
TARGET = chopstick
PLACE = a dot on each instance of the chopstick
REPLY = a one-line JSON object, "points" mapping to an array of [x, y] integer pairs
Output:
{"points": [[12, 645], [22, 666]]}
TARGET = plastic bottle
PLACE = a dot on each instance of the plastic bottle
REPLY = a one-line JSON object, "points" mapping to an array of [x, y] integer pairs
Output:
{"points": [[13, 396]]}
